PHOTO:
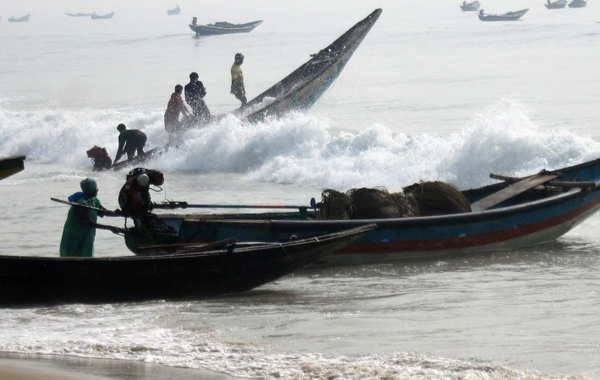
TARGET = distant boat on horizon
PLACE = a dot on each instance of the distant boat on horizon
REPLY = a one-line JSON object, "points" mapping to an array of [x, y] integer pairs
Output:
{"points": [[558, 4], [19, 19], [174, 11], [96, 16], [78, 14]]}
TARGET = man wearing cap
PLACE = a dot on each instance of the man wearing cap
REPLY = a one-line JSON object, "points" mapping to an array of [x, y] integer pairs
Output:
{"points": [[130, 142], [79, 231], [237, 79], [194, 94]]}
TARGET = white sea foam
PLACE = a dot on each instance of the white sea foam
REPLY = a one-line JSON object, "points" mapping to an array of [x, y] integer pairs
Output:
{"points": [[308, 151]]}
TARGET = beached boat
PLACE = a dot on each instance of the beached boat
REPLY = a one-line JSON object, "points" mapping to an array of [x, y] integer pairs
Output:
{"points": [[222, 27], [510, 16], [508, 215], [189, 274], [558, 4], [19, 19], [174, 11], [96, 16], [11, 165], [577, 4], [79, 14], [469, 7]]}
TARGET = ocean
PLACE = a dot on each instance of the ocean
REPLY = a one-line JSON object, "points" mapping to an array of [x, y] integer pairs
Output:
{"points": [[432, 93]]}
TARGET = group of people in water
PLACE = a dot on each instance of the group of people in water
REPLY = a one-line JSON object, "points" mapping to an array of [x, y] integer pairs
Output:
{"points": [[177, 117], [194, 93]]}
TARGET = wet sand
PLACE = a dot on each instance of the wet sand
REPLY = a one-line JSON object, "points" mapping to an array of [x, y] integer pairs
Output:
{"points": [[52, 367]]}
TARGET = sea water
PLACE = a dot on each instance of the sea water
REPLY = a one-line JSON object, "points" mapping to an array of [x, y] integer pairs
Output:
{"points": [[432, 93]]}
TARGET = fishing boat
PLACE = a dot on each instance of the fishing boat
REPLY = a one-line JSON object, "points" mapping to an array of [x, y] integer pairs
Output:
{"points": [[558, 4], [19, 19], [138, 160], [470, 7], [510, 16], [11, 165], [96, 16], [80, 14], [514, 213], [222, 27], [305, 85], [577, 4], [174, 11], [188, 274]]}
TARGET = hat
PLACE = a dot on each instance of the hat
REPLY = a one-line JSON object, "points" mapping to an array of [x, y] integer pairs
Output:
{"points": [[88, 185]]}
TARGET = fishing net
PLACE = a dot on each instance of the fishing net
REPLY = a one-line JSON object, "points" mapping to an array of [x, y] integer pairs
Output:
{"points": [[438, 198], [335, 205], [374, 203]]}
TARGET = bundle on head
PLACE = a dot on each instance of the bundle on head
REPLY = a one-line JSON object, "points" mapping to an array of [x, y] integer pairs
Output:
{"points": [[335, 205], [438, 198], [374, 204]]}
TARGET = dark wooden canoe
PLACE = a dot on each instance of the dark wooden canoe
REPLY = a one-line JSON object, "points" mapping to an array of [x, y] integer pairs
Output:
{"points": [[11, 165], [19, 19], [138, 160], [224, 28], [470, 7], [510, 16], [508, 215], [96, 16], [47, 280], [558, 4], [303, 87]]}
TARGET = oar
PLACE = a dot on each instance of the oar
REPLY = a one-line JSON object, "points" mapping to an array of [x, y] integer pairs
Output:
{"points": [[105, 212], [187, 205]]}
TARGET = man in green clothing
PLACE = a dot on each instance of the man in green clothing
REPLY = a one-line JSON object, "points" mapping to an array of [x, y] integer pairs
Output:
{"points": [[80, 228]]}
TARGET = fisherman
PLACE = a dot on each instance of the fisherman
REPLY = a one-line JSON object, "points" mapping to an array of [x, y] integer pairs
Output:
{"points": [[134, 197], [194, 94], [79, 231], [130, 142], [237, 79], [174, 108]]}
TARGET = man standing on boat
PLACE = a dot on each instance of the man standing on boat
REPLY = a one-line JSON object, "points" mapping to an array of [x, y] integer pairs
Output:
{"points": [[237, 79], [175, 107], [130, 142], [194, 94], [79, 231]]}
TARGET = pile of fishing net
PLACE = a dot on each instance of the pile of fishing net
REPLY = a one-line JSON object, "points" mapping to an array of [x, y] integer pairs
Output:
{"points": [[419, 199]]}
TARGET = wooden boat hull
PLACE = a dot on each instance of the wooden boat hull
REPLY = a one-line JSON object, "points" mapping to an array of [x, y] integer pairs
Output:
{"points": [[303, 87], [511, 16], [213, 30], [560, 4], [11, 165], [577, 4], [523, 221], [79, 14], [470, 7], [138, 160], [31, 280], [103, 17], [19, 19]]}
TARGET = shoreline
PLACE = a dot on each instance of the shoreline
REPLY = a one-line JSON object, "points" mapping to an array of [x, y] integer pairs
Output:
{"points": [[14, 366]]}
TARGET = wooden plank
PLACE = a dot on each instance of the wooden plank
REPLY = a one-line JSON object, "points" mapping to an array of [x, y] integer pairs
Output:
{"points": [[513, 190]]}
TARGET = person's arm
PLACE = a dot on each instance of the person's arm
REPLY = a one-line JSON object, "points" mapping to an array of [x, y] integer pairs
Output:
{"points": [[121, 147], [182, 107]]}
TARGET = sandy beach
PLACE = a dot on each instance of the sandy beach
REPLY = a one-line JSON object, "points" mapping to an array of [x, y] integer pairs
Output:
{"points": [[50, 367]]}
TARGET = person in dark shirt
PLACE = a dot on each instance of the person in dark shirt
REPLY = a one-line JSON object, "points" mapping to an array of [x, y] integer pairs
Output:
{"points": [[194, 94], [130, 142]]}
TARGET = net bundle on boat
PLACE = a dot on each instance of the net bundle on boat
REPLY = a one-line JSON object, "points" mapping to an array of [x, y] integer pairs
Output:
{"points": [[420, 199]]}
